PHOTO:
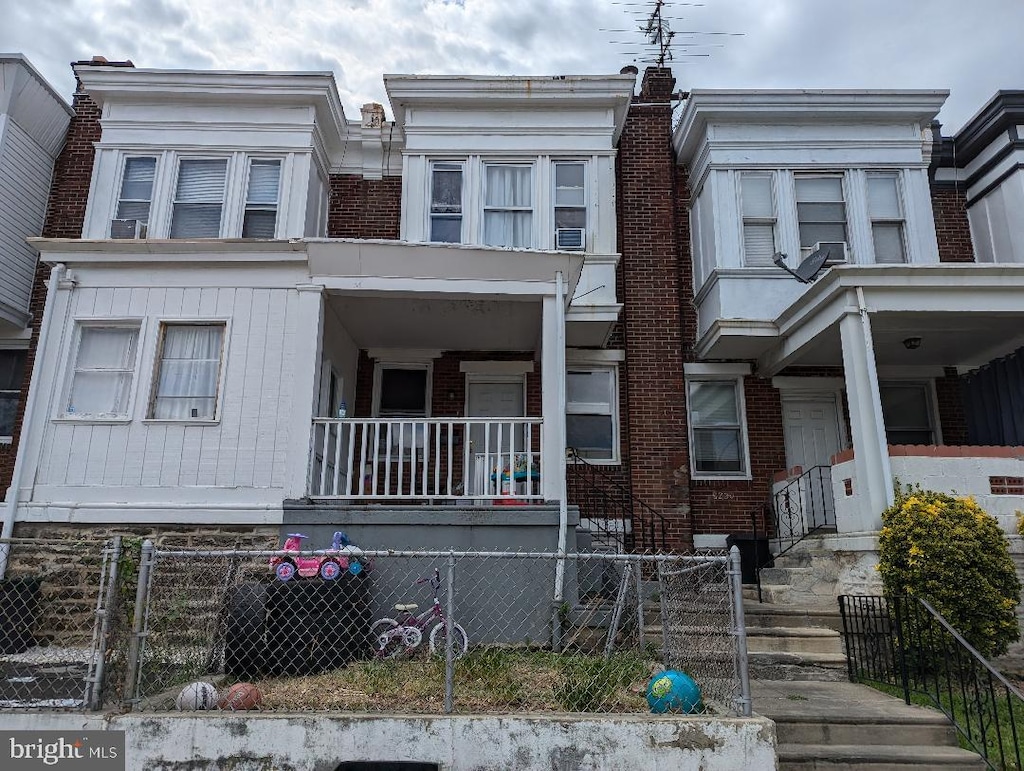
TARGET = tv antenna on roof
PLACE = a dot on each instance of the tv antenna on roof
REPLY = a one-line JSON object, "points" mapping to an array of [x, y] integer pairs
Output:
{"points": [[653, 21], [658, 33]]}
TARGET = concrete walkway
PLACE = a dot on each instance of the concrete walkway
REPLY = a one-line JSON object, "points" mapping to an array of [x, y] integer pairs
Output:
{"points": [[845, 725]]}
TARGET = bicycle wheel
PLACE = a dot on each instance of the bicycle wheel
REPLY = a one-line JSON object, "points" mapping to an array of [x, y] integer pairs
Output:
{"points": [[375, 636], [460, 642]]}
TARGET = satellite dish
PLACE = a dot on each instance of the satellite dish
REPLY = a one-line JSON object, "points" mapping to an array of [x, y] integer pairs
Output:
{"points": [[809, 269]]}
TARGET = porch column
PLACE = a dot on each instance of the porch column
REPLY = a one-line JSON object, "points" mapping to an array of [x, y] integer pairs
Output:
{"points": [[873, 486], [552, 374], [307, 337]]}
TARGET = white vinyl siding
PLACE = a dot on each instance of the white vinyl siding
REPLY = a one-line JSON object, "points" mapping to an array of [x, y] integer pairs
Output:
{"points": [[261, 199], [199, 198], [885, 208], [103, 372], [508, 206], [717, 431], [758, 207], [188, 374]]}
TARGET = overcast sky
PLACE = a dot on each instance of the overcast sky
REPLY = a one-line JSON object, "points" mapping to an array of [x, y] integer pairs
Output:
{"points": [[971, 48]]}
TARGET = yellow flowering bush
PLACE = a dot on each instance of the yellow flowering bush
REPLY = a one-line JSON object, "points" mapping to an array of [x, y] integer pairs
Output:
{"points": [[948, 551]]}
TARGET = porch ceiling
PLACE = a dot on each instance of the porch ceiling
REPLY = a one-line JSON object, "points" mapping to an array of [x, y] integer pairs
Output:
{"points": [[482, 324]]}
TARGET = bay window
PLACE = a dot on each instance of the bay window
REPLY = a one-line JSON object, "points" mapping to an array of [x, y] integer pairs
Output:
{"points": [[570, 206], [758, 208], [821, 210], [131, 218], [886, 212], [446, 203], [199, 198], [261, 199]]}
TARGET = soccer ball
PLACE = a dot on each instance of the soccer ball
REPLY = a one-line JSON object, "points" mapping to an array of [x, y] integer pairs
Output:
{"points": [[197, 695], [673, 691]]}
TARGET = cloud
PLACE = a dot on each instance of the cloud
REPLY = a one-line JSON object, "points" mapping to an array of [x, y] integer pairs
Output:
{"points": [[972, 50]]}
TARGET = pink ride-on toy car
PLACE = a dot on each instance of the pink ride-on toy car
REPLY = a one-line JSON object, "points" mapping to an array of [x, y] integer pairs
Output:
{"points": [[328, 564]]}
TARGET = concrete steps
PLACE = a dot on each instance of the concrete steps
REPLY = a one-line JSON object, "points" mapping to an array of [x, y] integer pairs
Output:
{"points": [[844, 725]]}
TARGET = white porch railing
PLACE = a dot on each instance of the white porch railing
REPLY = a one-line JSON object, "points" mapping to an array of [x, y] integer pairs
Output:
{"points": [[425, 458]]}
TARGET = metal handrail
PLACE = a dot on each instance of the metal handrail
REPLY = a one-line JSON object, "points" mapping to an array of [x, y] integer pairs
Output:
{"points": [[648, 526], [905, 643]]}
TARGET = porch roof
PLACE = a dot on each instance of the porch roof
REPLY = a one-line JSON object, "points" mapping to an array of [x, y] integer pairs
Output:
{"points": [[965, 315]]}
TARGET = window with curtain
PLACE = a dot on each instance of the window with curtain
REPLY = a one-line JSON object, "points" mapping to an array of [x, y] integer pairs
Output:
{"points": [[508, 206], [886, 212], [590, 407], [101, 379], [570, 205], [12, 372], [188, 374], [717, 446], [821, 209], [199, 198], [261, 199], [135, 198], [907, 412], [758, 219], [446, 203]]}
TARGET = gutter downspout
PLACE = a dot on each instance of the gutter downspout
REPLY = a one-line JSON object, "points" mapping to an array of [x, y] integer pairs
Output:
{"points": [[563, 504], [14, 491], [876, 399]]}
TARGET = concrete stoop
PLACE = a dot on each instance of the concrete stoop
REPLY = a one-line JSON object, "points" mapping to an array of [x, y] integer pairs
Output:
{"points": [[794, 643], [844, 725]]}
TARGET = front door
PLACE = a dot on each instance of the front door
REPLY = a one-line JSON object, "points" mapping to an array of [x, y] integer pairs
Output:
{"points": [[811, 432], [492, 398]]}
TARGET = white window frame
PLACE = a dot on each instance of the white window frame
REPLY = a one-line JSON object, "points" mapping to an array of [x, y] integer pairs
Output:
{"points": [[530, 164], [229, 173], [154, 382], [844, 187], [744, 220], [897, 177], [245, 192], [741, 406], [71, 367], [119, 184], [378, 372], [8, 438], [598, 408], [931, 403], [585, 206], [430, 213]]}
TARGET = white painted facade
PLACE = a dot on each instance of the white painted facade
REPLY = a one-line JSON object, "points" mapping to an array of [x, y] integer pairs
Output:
{"points": [[296, 309]]}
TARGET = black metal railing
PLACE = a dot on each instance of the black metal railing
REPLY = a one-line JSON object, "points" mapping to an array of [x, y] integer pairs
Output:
{"points": [[618, 519], [904, 644], [802, 506]]}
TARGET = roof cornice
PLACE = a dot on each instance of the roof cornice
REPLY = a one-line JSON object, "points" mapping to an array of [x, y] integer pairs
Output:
{"points": [[1002, 111]]}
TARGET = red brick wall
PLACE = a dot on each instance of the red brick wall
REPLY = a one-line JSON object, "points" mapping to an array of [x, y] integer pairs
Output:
{"points": [[952, 418], [949, 207], [651, 318], [65, 215], [364, 208]]}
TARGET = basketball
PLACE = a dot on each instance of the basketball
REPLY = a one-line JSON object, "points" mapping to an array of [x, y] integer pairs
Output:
{"points": [[198, 695], [241, 696]]}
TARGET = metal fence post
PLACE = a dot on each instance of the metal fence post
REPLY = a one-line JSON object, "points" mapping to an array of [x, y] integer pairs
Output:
{"points": [[106, 600], [743, 663], [135, 647], [901, 647], [449, 652]]}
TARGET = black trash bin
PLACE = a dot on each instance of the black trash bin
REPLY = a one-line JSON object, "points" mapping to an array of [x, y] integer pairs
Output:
{"points": [[754, 554], [19, 605]]}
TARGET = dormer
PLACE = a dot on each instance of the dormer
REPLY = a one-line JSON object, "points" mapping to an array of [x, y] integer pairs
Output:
{"points": [[192, 154], [510, 162]]}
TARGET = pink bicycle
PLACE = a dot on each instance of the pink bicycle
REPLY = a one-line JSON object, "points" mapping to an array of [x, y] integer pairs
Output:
{"points": [[401, 636]]}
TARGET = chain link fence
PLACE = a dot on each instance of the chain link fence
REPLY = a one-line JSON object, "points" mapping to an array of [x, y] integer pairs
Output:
{"points": [[58, 602], [432, 632]]}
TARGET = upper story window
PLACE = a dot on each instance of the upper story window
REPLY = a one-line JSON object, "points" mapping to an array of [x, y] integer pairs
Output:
{"points": [[188, 373], [261, 199], [446, 203], [508, 205], [199, 198], [132, 216], [758, 207], [101, 378], [821, 209], [886, 212], [570, 206]]}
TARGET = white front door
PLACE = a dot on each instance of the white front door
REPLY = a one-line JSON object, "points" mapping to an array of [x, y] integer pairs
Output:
{"points": [[811, 430], [490, 398]]}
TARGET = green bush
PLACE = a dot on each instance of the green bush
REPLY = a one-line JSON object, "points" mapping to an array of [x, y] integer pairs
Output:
{"points": [[948, 551]]}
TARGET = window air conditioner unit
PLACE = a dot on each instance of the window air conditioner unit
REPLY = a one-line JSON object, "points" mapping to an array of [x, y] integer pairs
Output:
{"points": [[569, 239], [836, 251], [128, 228]]}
